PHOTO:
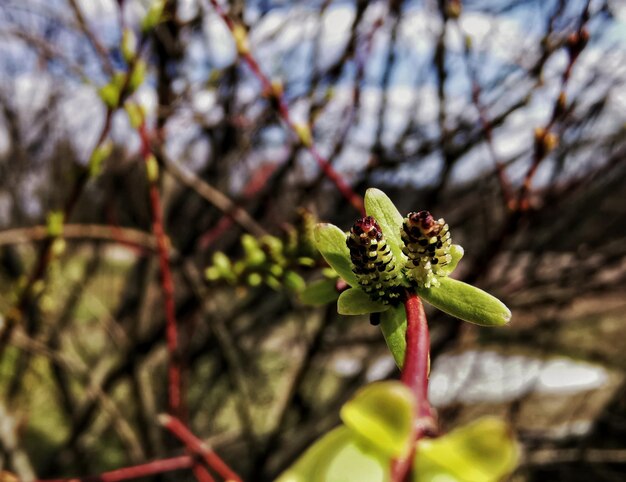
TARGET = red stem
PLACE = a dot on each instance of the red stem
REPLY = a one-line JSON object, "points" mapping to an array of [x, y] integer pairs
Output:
{"points": [[174, 369], [415, 376], [202, 474], [136, 471], [198, 447]]}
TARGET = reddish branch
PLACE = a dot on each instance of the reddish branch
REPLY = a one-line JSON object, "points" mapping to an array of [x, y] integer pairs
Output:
{"points": [[279, 102], [198, 447], [545, 140], [136, 471], [167, 286], [486, 125], [415, 372]]}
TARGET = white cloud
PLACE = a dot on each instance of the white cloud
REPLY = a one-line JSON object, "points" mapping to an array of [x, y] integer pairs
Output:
{"points": [[486, 376]]}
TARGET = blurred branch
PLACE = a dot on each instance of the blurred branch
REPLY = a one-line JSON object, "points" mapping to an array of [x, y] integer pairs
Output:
{"points": [[93, 40], [211, 194], [276, 95], [196, 446], [124, 236], [135, 472]]}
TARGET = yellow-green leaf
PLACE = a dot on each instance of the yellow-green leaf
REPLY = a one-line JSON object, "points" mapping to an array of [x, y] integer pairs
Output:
{"points": [[339, 456], [320, 293], [379, 206], [457, 252], [382, 413], [54, 221], [466, 302], [354, 301], [483, 451], [294, 281], [393, 326], [252, 249], [98, 156], [331, 242], [154, 15]]}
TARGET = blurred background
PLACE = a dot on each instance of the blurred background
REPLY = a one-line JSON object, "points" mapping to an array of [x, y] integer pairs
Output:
{"points": [[498, 115]]}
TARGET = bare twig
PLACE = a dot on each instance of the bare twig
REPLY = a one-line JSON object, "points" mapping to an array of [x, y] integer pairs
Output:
{"points": [[198, 447], [174, 370], [275, 93], [144, 470]]}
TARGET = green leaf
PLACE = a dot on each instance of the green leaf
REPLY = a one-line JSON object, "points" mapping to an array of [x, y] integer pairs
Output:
{"points": [[483, 451], [379, 206], [331, 242], [129, 44], [98, 156], [110, 94], [294, 281], [393, 326], [355, 301], [154, 16], [339, 456], [466, 302], [382, 413], [135, 113], [457, 252], [254, 279], [320, 293], [253, 253], [137, 76], [54, 223]]}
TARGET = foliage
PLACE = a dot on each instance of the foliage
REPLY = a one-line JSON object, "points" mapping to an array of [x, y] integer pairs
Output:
{"points": [[377, 425], [454, 297]]}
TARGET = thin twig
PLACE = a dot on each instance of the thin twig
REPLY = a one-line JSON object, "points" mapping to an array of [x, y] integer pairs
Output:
{"points": [[278, 101], [174, 369], [143, 470], [198, 447], [114, 234]]}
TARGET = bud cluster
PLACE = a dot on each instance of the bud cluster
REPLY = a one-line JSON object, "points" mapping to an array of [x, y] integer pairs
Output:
{"points": [[373, 262], [427, 246]]}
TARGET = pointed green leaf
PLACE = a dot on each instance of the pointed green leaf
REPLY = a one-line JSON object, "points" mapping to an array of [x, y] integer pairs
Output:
{"points": [[331, 242], [483, 451], [354, 301], [457, 252], [320, 293], [378, 205], [382, 413], [393, 326], [466, 302], [339, 456]]}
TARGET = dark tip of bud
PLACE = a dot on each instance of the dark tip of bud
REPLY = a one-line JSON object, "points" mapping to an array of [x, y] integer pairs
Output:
{"points": [[577, 41], [366, 225], [424, 222]]}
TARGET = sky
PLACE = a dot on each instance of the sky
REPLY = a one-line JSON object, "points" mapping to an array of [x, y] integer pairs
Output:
{"points": [[284, 41]]}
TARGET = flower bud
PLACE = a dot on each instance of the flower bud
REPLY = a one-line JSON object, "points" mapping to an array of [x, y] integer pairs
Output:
{"points": [[427, 246], [373, 262]]}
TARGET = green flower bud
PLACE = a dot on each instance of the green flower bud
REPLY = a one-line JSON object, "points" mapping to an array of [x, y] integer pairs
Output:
{"points": [[373, 262], [427, 246]]}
